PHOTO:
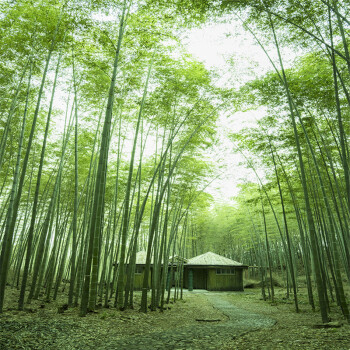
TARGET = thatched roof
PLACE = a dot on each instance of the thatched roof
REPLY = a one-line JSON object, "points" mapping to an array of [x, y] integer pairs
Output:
{"points": [[177, 259], [207, 259], [141, 258], [212, 259]]}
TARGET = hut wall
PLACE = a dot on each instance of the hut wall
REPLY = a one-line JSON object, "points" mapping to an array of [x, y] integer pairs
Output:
{"points": [[200, 278], [225, 282], [138, 279], [173, 275], [185, 285]]}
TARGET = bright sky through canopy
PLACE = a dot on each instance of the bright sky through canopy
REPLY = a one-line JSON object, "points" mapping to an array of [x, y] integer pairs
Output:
{"points": [[233, 53]]}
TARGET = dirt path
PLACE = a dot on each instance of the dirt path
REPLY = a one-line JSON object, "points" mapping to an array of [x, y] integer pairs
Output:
{"points": [[203, 335], [42, 328], [246, 322]]}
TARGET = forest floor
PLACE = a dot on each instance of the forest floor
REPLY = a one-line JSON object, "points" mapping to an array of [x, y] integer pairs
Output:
{"points": [[202, 320]]}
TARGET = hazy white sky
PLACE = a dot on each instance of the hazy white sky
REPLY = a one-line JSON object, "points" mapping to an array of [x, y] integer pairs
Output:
{"points": [[227, 48]]}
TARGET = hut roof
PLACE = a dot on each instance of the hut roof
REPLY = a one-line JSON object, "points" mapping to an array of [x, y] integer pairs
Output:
{"points": [[141, 258], [177, 259], [212, 259]]}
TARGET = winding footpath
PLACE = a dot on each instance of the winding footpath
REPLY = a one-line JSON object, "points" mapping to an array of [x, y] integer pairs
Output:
{"points": [[204, 335]]}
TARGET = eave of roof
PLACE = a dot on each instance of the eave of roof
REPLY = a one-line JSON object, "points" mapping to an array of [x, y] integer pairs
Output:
{"points": [[216, 266]]}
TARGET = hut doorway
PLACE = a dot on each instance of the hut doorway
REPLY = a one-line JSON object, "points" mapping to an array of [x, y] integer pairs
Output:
{"points": [[200, 278]]}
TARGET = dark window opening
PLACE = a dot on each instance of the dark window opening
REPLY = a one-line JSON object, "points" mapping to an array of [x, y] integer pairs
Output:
{"points": [[138, 270], [225, 271]]}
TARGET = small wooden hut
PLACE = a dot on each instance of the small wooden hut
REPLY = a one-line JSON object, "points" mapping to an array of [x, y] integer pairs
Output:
{"points": [[211, 271], [140, 266], [140, 270], [175, 270]]}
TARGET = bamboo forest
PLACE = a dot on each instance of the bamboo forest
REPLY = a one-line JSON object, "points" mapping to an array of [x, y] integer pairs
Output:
{"points": [[174, 174]]}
